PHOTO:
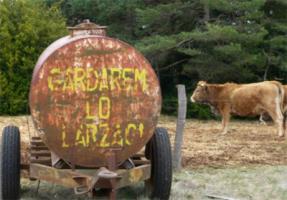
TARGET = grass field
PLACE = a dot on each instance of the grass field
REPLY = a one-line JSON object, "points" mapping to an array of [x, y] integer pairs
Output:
{"points": [[252, 182], [247, 163]]}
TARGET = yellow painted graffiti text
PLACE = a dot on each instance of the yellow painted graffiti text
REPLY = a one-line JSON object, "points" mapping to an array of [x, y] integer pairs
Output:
{"points": [[90, 79]]}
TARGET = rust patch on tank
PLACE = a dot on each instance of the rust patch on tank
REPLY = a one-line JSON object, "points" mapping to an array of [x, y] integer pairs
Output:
{"points": [[91, 94]]}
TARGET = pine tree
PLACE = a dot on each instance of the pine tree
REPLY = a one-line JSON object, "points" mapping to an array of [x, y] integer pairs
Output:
{"points": [[185, 40], [218, 41]]}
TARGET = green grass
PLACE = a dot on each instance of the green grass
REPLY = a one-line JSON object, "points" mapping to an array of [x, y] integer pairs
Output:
{"points": [[253, 182], [260, 182]]}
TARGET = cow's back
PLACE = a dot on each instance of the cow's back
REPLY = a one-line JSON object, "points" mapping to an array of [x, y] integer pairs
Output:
{"points": [[253, 99]]}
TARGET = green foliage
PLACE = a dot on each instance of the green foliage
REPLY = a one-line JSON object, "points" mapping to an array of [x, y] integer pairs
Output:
{"points": [[118, 15], [199, 111], [27, 27], [156, 44], [185, 40], [239, 41], [170, 106], [230, 6]]}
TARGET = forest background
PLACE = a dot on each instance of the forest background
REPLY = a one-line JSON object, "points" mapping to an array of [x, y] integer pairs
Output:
{"points": [[186, 41]]}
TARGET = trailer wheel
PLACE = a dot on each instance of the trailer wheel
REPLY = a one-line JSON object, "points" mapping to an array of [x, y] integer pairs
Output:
{"points": [[10, 163], [148, 150], [159, 149]]}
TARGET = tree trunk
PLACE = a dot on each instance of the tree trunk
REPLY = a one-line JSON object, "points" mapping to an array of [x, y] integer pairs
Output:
{"points": [[266, 72], [206, 12]]}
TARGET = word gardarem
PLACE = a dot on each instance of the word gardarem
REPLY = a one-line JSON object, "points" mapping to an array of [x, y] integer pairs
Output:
{"points": [[90, 79]]}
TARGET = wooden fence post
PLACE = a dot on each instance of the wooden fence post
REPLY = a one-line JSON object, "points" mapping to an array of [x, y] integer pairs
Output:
{"points": [[181, 116]]}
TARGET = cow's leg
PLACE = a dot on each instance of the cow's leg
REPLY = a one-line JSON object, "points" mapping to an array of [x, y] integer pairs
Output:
{"points": [[225, 121], [280, 125], [261, 120], [278, 118], [284, 124], [285, 119]]}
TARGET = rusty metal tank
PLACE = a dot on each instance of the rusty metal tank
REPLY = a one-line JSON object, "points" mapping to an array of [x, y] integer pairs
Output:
{"points": [[92, 95]]}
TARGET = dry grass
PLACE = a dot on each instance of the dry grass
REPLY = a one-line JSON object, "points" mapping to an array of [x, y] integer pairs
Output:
{"points": [[247, 142], [27, 130], [247, 163]]}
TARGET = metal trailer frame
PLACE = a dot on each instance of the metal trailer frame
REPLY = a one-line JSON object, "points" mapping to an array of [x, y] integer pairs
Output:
{"points": [[86, 180], [152, 166]]}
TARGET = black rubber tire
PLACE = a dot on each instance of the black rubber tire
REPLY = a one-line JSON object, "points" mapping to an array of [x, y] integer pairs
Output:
{"points": [[147, 150], [10, 163], [161, 165]]}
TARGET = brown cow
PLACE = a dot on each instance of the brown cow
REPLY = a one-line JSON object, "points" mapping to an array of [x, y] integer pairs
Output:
{"points": [[243, 100]]}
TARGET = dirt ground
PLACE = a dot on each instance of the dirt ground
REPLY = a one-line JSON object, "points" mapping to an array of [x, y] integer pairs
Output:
{"points": [[247, 142], [247, 163]]}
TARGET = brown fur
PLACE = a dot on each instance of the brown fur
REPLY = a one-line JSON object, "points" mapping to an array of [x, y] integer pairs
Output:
{"points": [[285, 98], [265, 117], [243, 100]]}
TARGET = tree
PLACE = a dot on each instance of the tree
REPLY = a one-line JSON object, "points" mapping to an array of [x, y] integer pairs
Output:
{"points": [[27, 27], [118, 15], [185, 40], [218, 41]]}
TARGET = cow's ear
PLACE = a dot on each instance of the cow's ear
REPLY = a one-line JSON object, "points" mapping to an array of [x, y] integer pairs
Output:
{"points": [[202, 83]]}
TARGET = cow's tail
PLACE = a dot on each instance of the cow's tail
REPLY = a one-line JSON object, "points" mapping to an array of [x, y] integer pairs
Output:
{"points": [[281, 93], [282, 98]]}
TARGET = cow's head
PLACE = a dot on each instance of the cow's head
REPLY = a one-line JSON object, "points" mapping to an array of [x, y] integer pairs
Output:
{"points": [[200, 94]]}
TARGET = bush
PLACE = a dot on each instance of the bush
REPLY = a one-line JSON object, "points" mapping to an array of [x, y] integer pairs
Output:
{"points": [[27, 27], [170, 105], [199, 111]]}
